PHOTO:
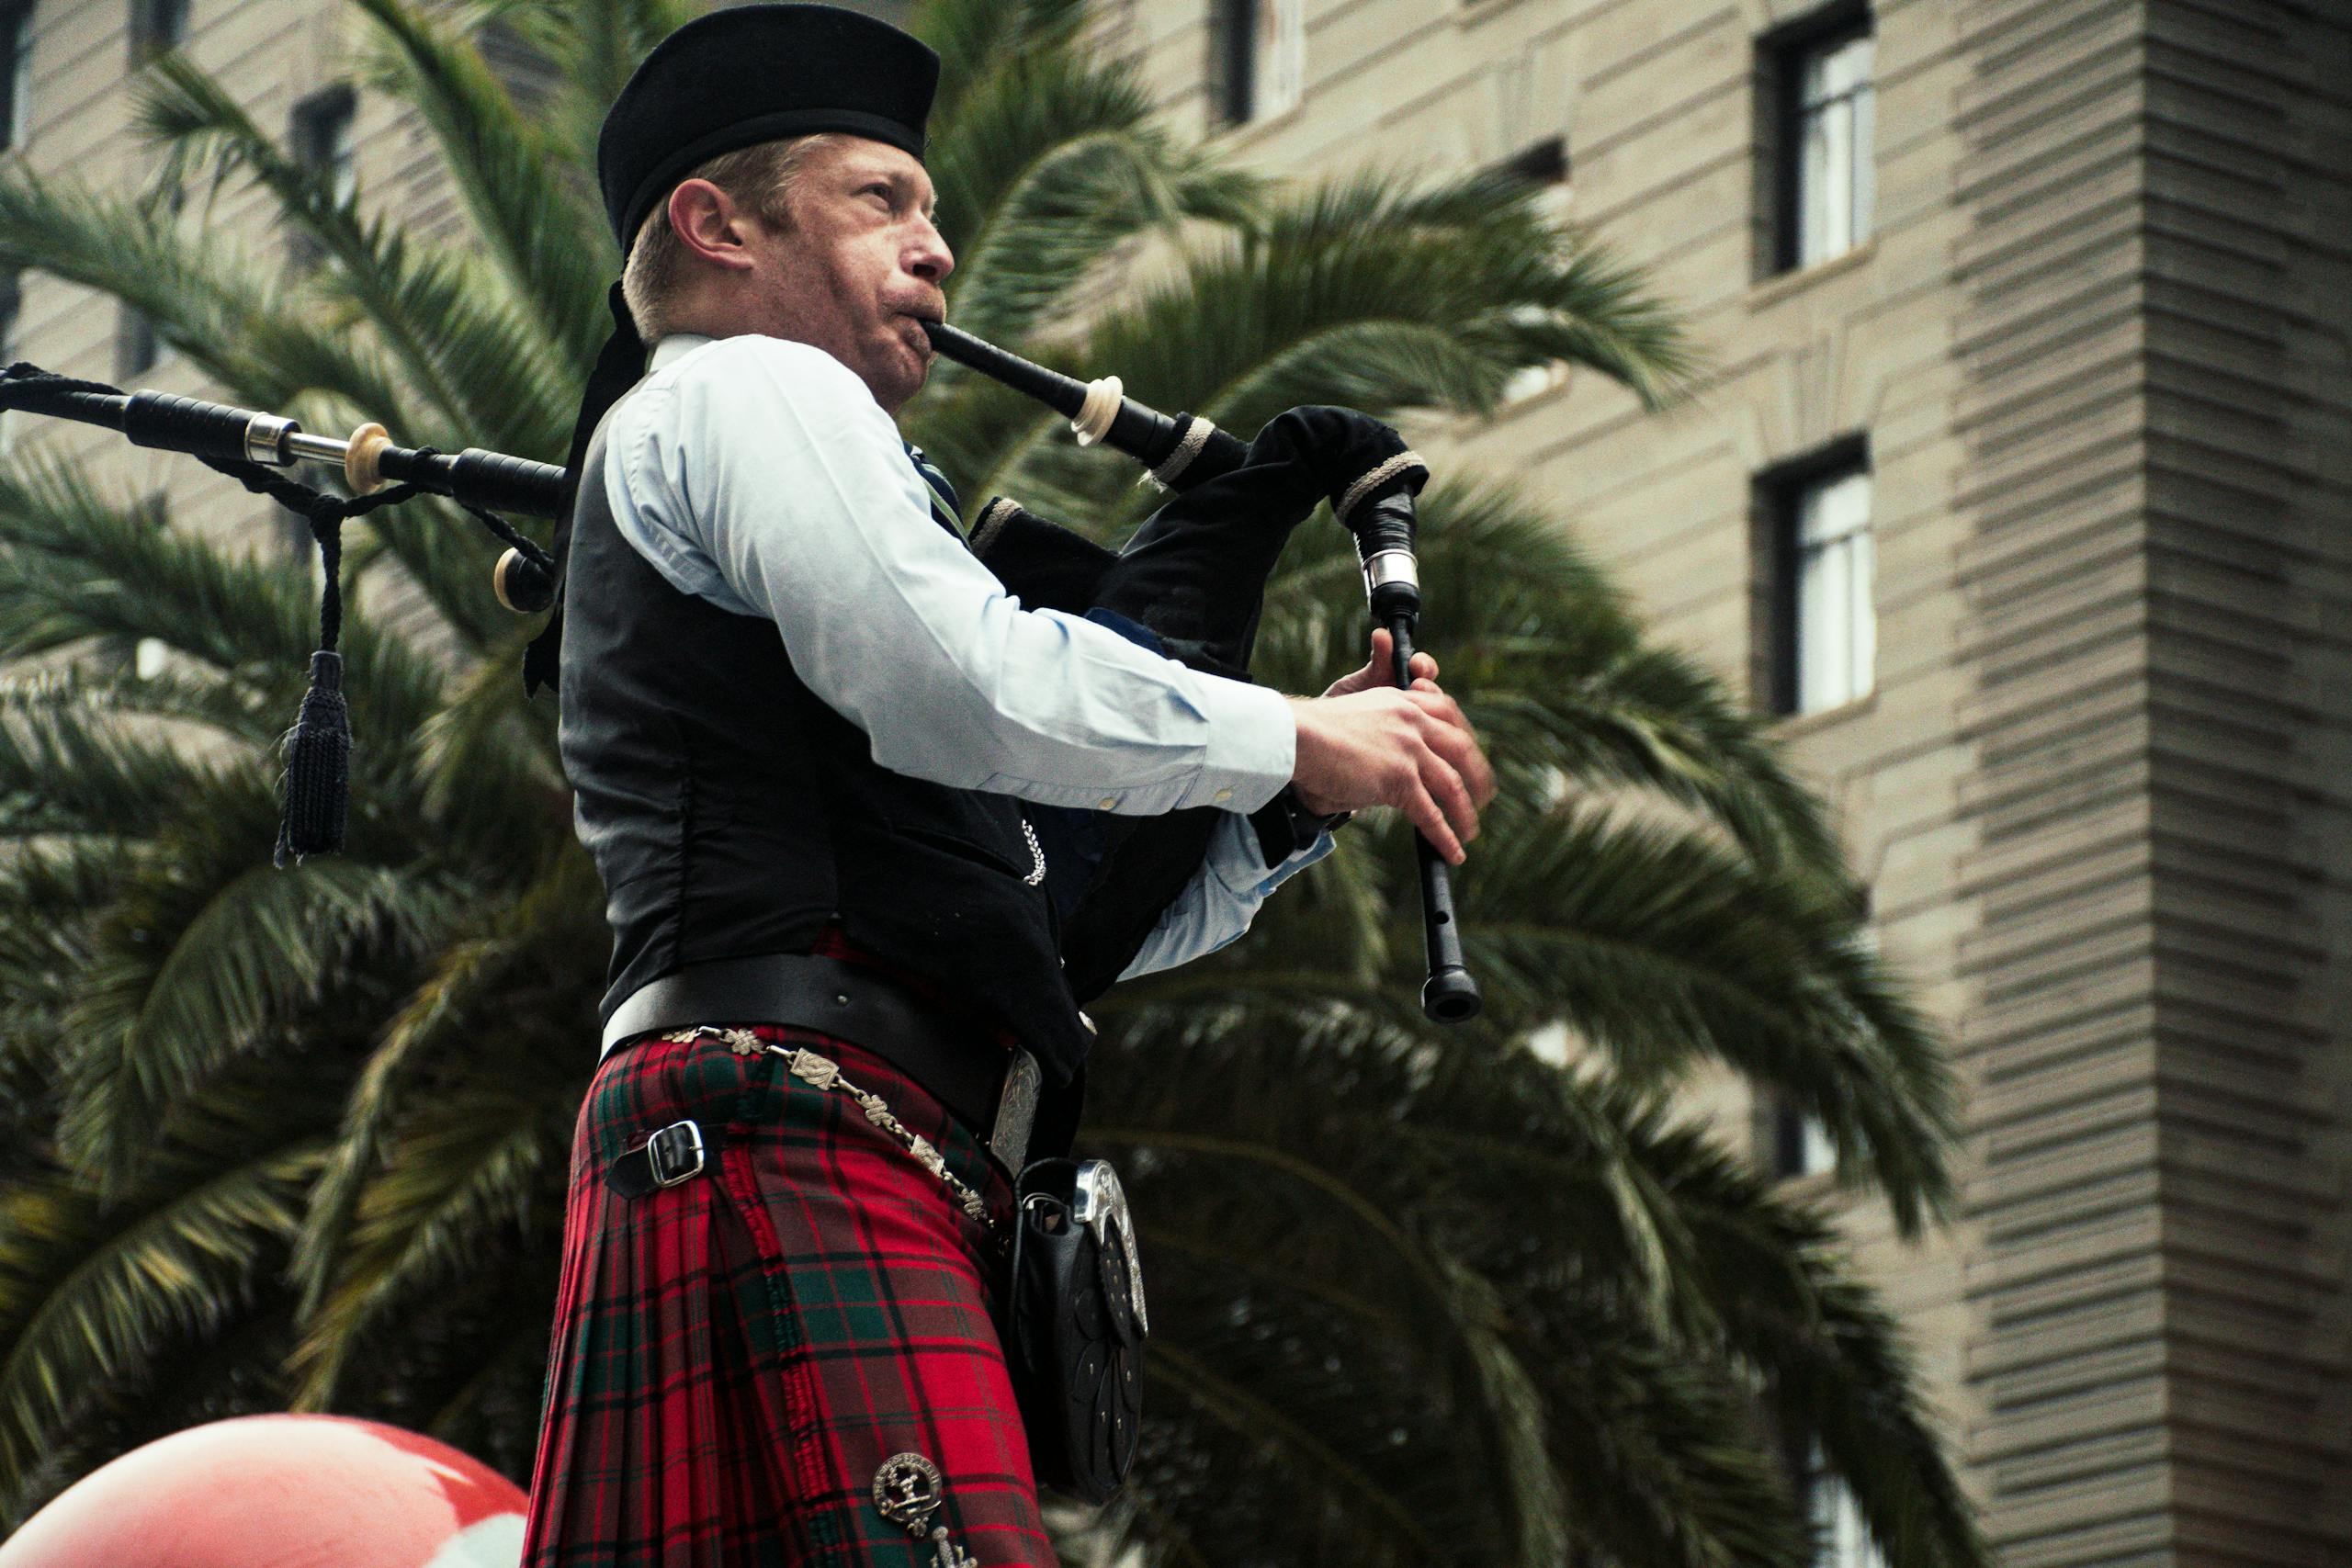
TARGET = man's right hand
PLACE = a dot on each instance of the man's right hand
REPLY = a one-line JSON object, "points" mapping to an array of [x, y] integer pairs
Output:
{"points": [[1412, 750]]}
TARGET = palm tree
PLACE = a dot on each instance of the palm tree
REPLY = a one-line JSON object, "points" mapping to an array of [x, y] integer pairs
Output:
{"points": [[300, 1138]]}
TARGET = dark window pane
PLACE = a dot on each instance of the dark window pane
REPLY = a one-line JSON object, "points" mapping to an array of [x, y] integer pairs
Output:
{"points": [[1823, 139], [1544, 163], [157, 25], [135, 348], [1822, 646], [1837, 626], [322, 137], [1233, 60], [11, 309], [321, 140], [15, 72]]}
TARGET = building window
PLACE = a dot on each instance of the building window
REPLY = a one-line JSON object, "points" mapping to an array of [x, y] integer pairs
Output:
{"points": [[1256, 66], [1797, 1143], [15, 72], [1801, 1147], [1823, 139], [12, 309], [1545, 166], [1823, 645], [136, 348], [157, 27], [321, 141]]}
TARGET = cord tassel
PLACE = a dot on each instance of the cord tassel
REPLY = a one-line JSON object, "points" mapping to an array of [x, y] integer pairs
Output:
{"points": [[318, 766]]}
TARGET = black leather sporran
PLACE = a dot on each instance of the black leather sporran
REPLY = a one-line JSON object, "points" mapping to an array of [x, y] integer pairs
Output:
{"points": [[1077, 1320]]}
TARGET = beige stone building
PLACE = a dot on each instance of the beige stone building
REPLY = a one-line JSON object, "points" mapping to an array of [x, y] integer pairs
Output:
{"points": [[2023, 488], [2023, 485]]}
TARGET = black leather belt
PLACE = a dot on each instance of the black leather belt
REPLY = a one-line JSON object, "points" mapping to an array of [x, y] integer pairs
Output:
{"points": [[992, 1093]]}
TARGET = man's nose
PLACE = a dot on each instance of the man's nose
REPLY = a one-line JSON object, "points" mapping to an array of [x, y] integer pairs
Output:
{"points": [[928, 256]]}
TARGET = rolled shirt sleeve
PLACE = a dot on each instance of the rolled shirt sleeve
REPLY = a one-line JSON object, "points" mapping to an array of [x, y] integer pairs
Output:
{"points": [[762, 475], [1216, 907]]}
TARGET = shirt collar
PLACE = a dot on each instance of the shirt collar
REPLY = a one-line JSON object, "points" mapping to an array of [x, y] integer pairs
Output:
{"points": [[674, 347]]}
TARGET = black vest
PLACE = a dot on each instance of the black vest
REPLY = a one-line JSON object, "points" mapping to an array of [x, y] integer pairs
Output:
{"points": [[731, 812]]}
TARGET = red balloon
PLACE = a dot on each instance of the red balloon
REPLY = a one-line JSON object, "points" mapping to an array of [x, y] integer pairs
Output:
{"points": [[280, 1492]]}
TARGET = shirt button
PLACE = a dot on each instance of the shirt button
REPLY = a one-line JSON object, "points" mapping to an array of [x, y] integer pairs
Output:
{"points": [[1223, 795], [1108, 803]]}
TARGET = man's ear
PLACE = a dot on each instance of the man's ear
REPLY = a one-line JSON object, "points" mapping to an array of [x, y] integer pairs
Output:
{"points": [[708, 221]]}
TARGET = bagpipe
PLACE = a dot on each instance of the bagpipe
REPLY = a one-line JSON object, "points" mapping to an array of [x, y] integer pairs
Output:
{"points": [[1048, 565]]}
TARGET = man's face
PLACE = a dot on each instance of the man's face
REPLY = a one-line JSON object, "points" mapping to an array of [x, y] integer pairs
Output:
{"points": [[860, 267]]}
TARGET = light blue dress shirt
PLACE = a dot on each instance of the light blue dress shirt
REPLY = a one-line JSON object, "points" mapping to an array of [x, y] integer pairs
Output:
{"points": [[761, 475]]}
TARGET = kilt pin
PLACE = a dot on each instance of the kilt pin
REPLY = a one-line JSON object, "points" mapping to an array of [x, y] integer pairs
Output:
{"points": [[738, 1355]]}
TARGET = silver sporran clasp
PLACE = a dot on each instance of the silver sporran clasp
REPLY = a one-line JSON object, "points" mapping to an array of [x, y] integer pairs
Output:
{"points": [[1101, 1207]]}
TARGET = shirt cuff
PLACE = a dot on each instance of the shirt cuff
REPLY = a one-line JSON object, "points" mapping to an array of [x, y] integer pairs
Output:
{"points": [[1252, 748]]}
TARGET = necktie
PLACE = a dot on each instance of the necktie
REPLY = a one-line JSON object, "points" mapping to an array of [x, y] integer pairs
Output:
{"points": [[945, 508]]}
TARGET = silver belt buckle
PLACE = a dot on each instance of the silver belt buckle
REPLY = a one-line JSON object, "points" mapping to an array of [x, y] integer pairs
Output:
{"points": [[1016, 1109], [675, 1154]]}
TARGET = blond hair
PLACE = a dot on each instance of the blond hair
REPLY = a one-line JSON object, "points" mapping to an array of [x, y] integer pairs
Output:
{"points": [[761, 175]]}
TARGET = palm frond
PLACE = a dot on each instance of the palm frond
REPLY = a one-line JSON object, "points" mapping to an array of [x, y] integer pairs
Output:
{"points": [[87, 1292], [1662, 949], [467, 992], [67, 771], [211, 303], [535, 222], [1837, 1369], [487, 766], [472, 1169], [976, 38], [231, 708], [590, 46], [74, 566], [476, 360], [1368, 293], [1051, 163], [203, 958]]}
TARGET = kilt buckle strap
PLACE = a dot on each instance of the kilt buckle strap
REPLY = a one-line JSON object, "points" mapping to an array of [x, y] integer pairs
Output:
{"points": [[672, 1155]]}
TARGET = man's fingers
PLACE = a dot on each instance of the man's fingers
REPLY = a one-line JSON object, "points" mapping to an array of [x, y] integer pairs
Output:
{"points": [[1423, 807], [1424, 667], [1453, 735], [1444, 784], [1470, 760], [1438, 704]]}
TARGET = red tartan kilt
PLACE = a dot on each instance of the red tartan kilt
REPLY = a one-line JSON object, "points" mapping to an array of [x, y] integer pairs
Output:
{"points": [[734, 1358]]}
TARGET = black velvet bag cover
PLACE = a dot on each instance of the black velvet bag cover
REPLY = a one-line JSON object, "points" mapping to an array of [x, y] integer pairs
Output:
{"points": [[1194, 576], [1074, 1338]]}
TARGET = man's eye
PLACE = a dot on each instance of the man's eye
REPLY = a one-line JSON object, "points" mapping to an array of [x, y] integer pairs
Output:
{"points": [[881, 190]]}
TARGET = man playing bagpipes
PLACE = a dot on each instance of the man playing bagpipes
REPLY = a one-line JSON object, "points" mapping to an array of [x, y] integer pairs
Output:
{"points": [[826, 764]]}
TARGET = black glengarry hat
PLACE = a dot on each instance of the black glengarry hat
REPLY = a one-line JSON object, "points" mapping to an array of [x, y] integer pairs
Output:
{"points": [[756, 73], [733, 78]]}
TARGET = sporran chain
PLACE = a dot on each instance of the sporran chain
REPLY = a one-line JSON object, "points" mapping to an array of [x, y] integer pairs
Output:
{"points": [[819, 1071]]}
